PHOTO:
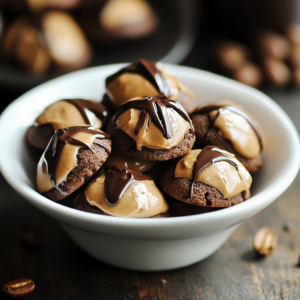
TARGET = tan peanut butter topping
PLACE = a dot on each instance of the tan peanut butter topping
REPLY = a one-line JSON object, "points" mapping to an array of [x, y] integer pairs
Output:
{"points": [[128, 86], [221, 175], [153, 138], [65, 39], [141, 200], [117, 13], [237, 129], [67, 161], [175, 85], [143, 79], [118, 159], [63, 114]]}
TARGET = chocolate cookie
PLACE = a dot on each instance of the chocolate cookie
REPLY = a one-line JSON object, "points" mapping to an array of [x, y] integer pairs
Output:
{"points": [[208, 134], [73, 155], [40, 135], [152, 128], [144, 78], [65, 113], [128, 146], [122, 192], [209, 177], [117, 20], [203, 195], [80, 203]]}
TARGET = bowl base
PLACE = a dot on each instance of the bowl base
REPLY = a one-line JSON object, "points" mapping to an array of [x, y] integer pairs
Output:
{"points": [[147, 255]]}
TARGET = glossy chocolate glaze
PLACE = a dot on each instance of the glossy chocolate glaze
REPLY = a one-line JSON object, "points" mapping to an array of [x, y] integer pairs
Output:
{"points": [[149, 71], [156, 107], [208, 156], [83, 105], [234, 109], [118, 180], [60, 139]]}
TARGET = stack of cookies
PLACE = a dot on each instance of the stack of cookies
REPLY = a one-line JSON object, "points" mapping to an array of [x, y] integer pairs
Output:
{"points": [[158, 156]]}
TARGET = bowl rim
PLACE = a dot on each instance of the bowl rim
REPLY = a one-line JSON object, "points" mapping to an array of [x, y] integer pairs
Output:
{"points": [[253, 205]]}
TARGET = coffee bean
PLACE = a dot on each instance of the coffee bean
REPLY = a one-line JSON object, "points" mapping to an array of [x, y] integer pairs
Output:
{"points": [[265, 240], [276, 72], [292, 32], [272, 44], [295, 56], [31, 235], [19, 287], [231, 56], [248, 74]]}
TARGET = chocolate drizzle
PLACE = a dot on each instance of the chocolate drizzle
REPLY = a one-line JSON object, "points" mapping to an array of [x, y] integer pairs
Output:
{"points": [[149, 71], [62, 137], [234, 109], [208, 156], [156, 107], [84, 106], [118, 180]]}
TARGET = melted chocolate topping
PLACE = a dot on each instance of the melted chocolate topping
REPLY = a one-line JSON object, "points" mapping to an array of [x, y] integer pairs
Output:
{"points": [[234, 109], [118, 180], [85, 105], [209, 156], [149, 71], [60, 139], [156, 107]]}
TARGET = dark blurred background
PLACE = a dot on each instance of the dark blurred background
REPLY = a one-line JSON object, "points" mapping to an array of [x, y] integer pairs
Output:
{"points": [[256, 42]]}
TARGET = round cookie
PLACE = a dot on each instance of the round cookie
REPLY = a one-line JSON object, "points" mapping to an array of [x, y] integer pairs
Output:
{"points": [[80, 203], [72, 156], [182, 209], [152, 128], [145, 78], [122, 192], [62, 114], [210, 177], [117, 20], [226, 126]]}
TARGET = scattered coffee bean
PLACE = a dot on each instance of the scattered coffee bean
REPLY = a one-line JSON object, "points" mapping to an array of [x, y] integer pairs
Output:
{"points": [[231, 56], [276, 72], [19, 287], [295, 56], [288, 226], [265, 240], [292, 32], [31, 235], [272, 44], [248, 74]]}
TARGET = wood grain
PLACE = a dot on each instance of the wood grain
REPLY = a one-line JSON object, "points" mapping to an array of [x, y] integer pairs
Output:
{"points": [[62, 271]]}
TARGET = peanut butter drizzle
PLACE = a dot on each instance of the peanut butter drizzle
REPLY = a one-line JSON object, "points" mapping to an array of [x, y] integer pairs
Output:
{"points": [[155, 107], [62, 137], [234, 109], [209, 156], [59, 115], [118, 180]]}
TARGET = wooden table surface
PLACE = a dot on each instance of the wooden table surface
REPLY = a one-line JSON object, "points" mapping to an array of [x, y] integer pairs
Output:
{"points": [[61, 270]]}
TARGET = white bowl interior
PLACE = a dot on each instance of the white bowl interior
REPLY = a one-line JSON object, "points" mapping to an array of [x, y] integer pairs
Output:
{"points": [[281, 154]]}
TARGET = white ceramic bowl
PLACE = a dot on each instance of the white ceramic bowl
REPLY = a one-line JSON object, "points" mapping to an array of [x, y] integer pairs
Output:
{"points": [[151, 244]]}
